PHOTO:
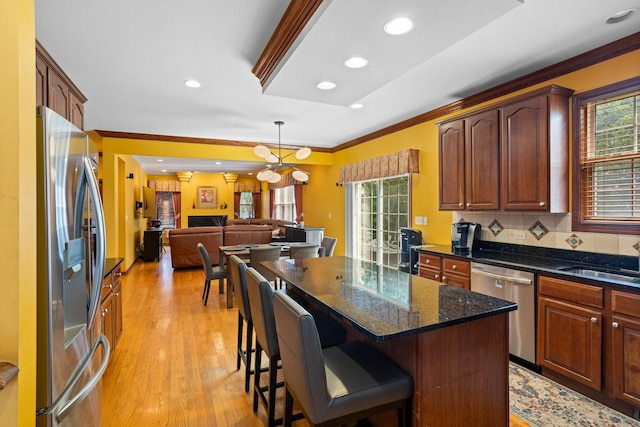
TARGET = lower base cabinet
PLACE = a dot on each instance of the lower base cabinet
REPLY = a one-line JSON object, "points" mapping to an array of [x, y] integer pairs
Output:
{"points": [[111, 307], [452, 271], [591, 335]]}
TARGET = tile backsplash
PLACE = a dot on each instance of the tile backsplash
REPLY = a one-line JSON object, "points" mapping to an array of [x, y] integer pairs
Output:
{"points": [[547, 230]]}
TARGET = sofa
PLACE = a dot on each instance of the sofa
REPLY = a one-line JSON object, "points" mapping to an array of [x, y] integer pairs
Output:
{"points": [[183, 241]]}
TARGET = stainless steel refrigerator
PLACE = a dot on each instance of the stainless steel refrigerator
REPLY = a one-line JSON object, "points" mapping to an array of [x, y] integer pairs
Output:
{"points": [[72, 353]]}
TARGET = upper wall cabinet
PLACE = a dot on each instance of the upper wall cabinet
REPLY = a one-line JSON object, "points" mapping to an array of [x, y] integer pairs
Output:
{"points": [[56, 91], [510, 156]]}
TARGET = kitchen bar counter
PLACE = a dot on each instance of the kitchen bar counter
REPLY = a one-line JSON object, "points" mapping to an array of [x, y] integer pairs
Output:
{"points": [[453, 342]]}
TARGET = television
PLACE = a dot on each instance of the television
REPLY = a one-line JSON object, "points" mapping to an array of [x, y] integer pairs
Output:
{"points": [[148, 202]]}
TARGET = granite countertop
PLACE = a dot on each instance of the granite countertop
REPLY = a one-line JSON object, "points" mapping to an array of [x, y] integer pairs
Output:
{"points": [[549, 261], [110, 264], [384, 303]]}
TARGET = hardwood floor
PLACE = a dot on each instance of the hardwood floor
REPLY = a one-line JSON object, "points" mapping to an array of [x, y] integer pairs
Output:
{"points": [[175, 363]]}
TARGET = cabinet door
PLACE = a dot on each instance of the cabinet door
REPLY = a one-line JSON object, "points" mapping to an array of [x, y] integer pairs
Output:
{"points": [[107, 317], [482, 150], [41, 81], [626, 359], [451, 149], [117, 313], [570, 341], [457, 281], [524, 151], [58, 94], [76, 111]]}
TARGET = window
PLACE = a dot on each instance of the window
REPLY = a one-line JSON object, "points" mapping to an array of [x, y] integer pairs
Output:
{"points": [[606, 150], [284, 204], [379, 208], [166, 209], [246, 205]]}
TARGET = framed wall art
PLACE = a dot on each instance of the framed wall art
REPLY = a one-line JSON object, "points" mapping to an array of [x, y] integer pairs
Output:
{"points": [[207, 198]]}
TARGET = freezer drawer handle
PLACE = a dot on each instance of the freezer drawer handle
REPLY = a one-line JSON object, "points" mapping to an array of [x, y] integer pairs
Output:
{"points": [[93, 381], [502, 277]]}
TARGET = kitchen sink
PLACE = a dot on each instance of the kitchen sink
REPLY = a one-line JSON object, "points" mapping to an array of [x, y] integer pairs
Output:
{"points": [[600, 274]]}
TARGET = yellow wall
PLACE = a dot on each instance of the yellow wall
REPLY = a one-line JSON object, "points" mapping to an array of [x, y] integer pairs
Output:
{"points": [[18, 213]]}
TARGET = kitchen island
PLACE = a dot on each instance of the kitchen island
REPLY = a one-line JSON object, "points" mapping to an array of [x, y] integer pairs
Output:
{"points": [[453, 342]]}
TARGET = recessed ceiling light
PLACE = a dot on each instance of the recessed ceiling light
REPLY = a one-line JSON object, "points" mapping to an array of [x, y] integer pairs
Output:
{"points": [[356, 106], [623, 15], [218, 163], [397, 26], [356, 62], [192, 83], [160, 160], [250, 173], [163, 170], [326, 85]]}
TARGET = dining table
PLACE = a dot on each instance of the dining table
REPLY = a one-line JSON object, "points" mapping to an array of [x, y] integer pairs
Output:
{"points": [[452, 341], [244, 252]]}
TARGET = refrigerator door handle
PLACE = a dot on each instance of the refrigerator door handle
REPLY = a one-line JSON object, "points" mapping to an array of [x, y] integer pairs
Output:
{"points": [[93, 381], [89, 179]]}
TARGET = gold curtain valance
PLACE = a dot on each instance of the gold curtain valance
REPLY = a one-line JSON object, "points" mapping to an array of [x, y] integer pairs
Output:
{"points": [[407, 161], [287, 180], [165, 185], [246, 187]]}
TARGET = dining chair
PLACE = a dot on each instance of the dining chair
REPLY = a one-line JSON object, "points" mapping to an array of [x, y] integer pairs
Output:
{"points": [[303, 250], [210, 272], [261, 303], [327, 246], [238, 275], [264, 253], [337, 385]]}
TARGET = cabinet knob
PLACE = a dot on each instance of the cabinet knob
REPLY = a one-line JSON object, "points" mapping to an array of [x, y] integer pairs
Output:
{"points": [[468, 204], [104, 312], [428, 261], [117, 294], [541, 203], [594, 320], [119, 273], [436, 276], [460, 204], [108, 286], [615, 324], [444, 279], [454, 267]]}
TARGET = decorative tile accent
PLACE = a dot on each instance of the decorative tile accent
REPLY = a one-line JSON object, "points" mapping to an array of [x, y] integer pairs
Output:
{"points": [[495, 227], [538, 230], [574, 241], [637, 247]]}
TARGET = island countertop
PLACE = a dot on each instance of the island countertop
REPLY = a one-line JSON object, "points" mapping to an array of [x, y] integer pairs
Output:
{"points": [[381, 302]]}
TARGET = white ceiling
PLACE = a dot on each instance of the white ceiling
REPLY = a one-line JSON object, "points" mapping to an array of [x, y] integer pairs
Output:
{"points": [[130, 59]]}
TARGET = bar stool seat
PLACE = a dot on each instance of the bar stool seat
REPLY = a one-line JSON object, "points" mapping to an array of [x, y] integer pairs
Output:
{"points": [[339, 384]]}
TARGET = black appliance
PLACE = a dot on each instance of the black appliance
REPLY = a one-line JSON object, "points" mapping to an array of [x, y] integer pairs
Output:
{"points": [[408, 255], [464, 236]]}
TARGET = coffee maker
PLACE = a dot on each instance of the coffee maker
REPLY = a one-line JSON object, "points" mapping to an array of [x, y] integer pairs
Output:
{"points": [[464, 236]]}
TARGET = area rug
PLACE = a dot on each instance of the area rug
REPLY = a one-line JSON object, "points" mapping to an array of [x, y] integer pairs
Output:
{"points": [[542, 402]]}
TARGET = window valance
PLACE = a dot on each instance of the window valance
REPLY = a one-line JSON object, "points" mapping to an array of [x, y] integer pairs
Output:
{"points": [[246, 187], [164, 185], [407, 161]]}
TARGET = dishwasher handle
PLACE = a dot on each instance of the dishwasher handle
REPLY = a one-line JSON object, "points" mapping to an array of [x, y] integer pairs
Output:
{"points": [[502, 277]]}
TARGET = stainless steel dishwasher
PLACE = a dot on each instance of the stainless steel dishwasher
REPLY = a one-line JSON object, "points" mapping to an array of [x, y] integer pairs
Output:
{"points": [[515, 286]]}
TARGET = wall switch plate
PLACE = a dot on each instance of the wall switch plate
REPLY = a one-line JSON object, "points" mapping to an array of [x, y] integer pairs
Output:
{"points": [[418, 220], [424, 220]]}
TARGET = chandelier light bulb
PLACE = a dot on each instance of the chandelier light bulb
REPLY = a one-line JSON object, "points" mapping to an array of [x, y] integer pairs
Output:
{"points": [[261, 151], [264, 175], [300, 175], [272, 158], [274, 178], [303, 153]]}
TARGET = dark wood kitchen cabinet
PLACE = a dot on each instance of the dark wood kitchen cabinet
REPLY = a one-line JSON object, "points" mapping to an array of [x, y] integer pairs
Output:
{"points": [[570, 330], [111, 306], [469, 163], [513, 155], [625, 346], [56, 91], [452, 271]]}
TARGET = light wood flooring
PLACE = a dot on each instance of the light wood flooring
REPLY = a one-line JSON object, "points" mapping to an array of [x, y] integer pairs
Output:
{"points": [[175, 363]]}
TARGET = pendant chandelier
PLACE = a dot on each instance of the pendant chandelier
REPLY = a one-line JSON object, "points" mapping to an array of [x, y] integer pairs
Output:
{"points": [[270, 173]]}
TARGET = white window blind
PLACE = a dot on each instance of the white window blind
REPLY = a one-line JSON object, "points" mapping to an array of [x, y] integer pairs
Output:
{"points": [[284, 205], [610, 158]]}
